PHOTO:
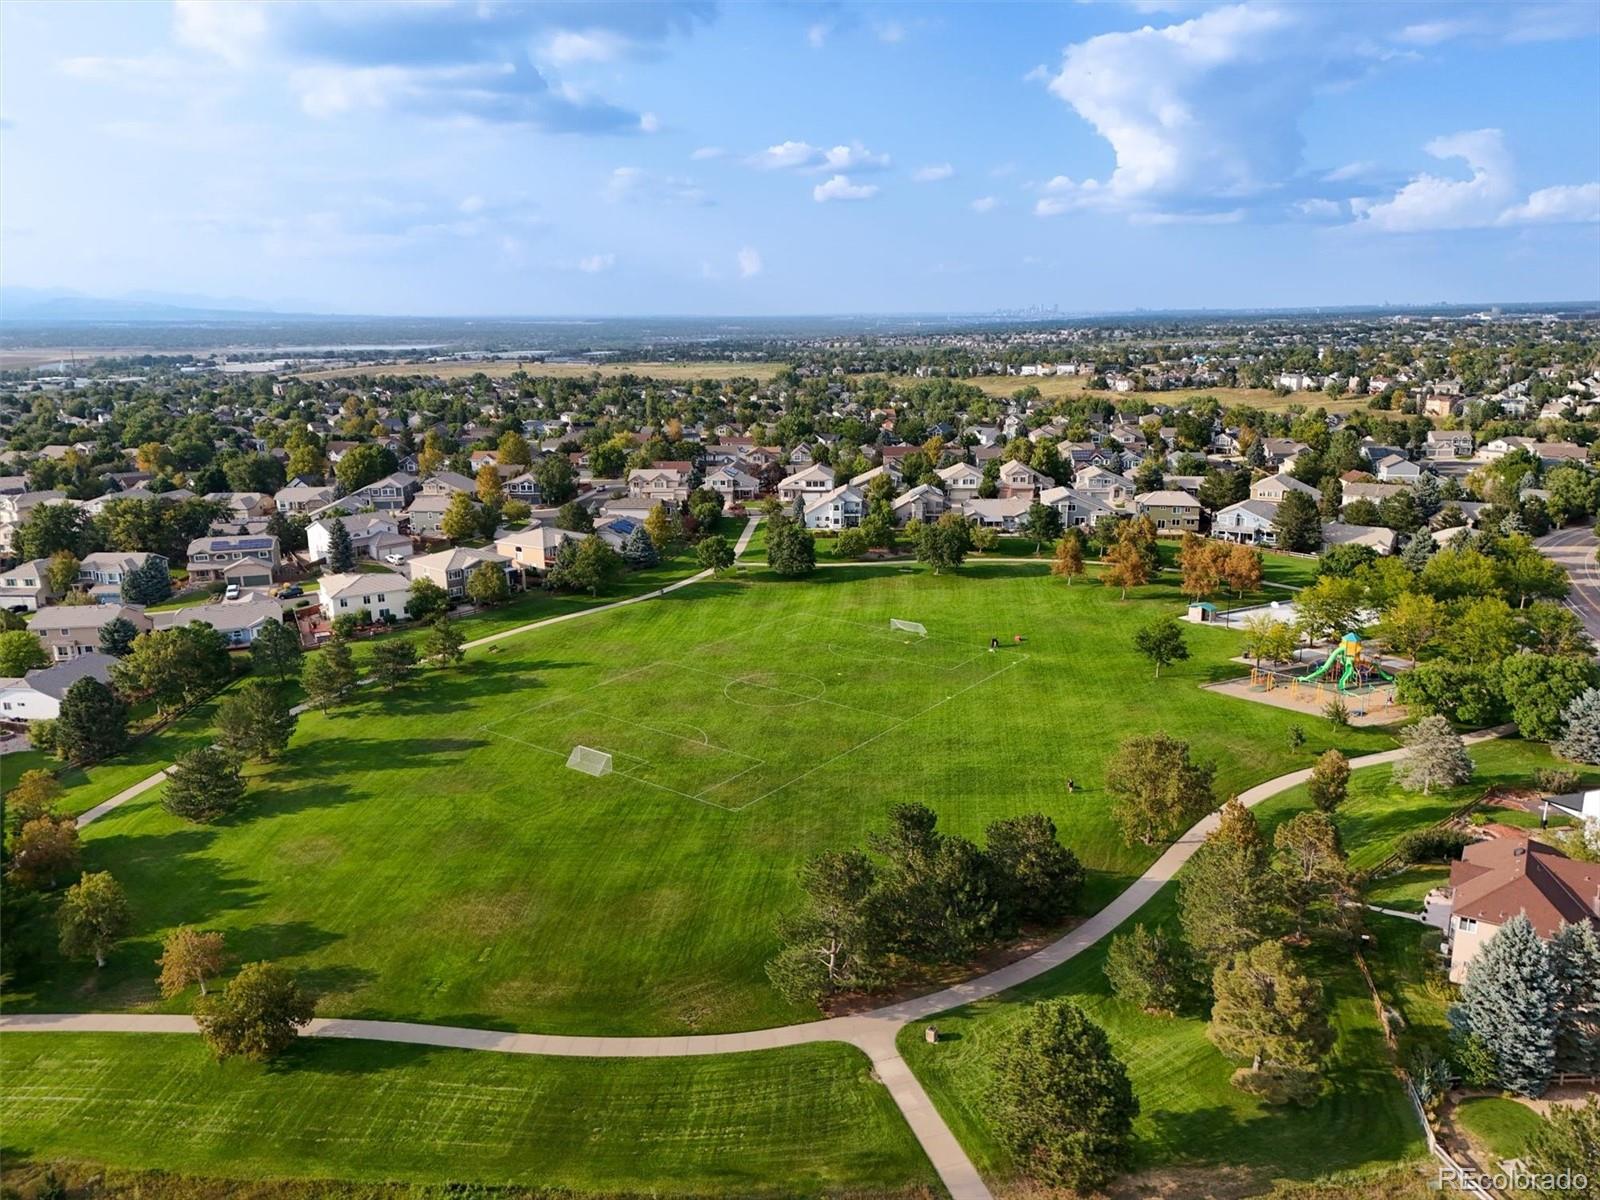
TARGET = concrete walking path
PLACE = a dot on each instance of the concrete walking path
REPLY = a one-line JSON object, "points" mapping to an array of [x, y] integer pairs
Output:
{"points": [[873, 1032]]}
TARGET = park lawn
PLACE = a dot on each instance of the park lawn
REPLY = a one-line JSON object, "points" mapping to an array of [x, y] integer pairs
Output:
{"points": [[1055, 387], [1191, 1115], [424, 855], [1500, 1126], [1403, 957], [1405, 890], [806, 1120]]}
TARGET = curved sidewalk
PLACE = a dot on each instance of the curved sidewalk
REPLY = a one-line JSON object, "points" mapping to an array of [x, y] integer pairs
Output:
{"points": [[873, 1032]]}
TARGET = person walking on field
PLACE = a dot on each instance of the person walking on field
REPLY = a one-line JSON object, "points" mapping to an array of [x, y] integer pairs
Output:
{"points": [[994, 644]]}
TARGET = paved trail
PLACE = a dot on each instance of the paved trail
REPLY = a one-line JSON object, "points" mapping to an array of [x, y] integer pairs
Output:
{"points": [[873, 1032], [1574, 549]]}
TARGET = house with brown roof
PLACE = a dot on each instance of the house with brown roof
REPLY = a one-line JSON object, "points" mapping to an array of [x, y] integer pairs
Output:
{"points": [[1495, 880]]}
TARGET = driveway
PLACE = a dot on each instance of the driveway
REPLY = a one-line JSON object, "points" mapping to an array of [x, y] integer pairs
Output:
{"points": [[1574, 549]]}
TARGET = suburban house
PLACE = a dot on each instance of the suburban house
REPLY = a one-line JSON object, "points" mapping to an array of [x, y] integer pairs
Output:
{"points": [[1447, 444], [524, 487], [208, 556], [806, 485], [104, 570], [425, 514], [239, 621], [243, 506], [1280, 452], [1441, 406], [1005, 513], [1252, 522], [1336, 533], [299, 498], [448, 483], [1501, 446], [666, 483], [892, 470], [1170, 510], [1273, 488], [733, 482], [534, 548], [389, 494], [1355, 489], [372, 535], [37, 695], [1109, 488], [451, 568], [23, 587], [960, 481], [842, 508], [1494, 880], [1077, 508], [1554, 454], [381, 593], [68, 631], [1395, 469], [922, 503], [1018, 479]]}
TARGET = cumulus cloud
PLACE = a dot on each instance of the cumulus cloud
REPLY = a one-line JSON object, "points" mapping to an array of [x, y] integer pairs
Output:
{"points": [[595, 263], [749, 262], [984, 204], [565, 47], [933, 174], [795, 155], [839, 187], [1487, 196], [785, 155], [705, 153], [642, 185]]}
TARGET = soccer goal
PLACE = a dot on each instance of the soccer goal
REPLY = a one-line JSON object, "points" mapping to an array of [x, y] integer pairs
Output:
{"points": [[915, 627], [590, 762]]}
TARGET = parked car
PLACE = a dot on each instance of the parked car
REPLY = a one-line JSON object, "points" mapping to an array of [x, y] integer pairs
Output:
{"points": [[394, 559], [232, 592], [290, 590]]}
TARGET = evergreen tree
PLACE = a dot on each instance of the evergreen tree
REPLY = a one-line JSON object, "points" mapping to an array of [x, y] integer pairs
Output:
{"points": [[1509, 1003], [256, 721], [1435, 757], [835, 942], [1269, 1014], [1061, 1099], [1313, 874], [203, 785], [640, 549], [116, 636], [1580, 735], [330, 674], [1562, 1154], [1036, 877], [1575, 967], [1298, 523], [791, 550], [341, 550], [1225, 892], [148, 583], [276, 652], [93, 723], [443, 643], [393, 661], [1152, 969]]}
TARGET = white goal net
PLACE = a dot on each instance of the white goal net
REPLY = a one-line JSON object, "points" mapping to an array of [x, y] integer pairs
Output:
{"points": [[908, 627], [590, 762]]}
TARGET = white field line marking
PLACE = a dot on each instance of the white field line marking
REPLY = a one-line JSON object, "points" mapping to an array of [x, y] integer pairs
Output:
{"points": [[729, 680]]}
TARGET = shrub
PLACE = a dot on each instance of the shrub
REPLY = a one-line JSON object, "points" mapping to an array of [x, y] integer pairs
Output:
{"points": [[1554, 781], [1432, 845]]}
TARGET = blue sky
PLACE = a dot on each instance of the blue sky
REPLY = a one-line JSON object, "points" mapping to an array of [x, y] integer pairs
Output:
{"points": [[792, 158]]}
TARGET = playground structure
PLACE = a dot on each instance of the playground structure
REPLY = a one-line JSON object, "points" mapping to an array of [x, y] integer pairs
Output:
{"points": [[1347, 673]]}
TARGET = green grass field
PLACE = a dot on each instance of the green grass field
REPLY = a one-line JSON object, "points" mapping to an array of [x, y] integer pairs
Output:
{"points": [[803, 1121], [427, 856], [1499, 1126]]}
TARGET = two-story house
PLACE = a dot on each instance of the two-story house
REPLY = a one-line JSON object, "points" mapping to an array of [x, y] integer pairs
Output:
{"points": [[381, 594], [24, 587], [210, 556], [1018, 479], [841, 508], [806, 485], [451, 569], [666, 483], [1172, 511], [960, 481], [1273, 488], [103, 571], [372, 535], [69, 630], [1253, 522]]}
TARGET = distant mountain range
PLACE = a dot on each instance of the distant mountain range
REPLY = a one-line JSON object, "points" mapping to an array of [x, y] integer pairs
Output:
{"points": [[61, 304]]}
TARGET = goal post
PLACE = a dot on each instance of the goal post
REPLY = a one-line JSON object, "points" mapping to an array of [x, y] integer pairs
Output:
{"points": [[590, 762], [916, 627]]}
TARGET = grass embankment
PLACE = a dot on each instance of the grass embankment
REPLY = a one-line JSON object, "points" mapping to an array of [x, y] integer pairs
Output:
{"points": [[1499, 1126]]}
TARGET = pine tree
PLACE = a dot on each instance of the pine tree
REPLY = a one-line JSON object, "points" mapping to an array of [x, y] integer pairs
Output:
{"points": [[1435, 757], [1152, 969], [640, 549], [149, 583], [1298, 523], [93, 723], [1225, 893], [1509, 1003], [1330, 781], [1575, 967], [1580, 739], [203, 785], [1269, 1014], [341, 550], [330, 674]]}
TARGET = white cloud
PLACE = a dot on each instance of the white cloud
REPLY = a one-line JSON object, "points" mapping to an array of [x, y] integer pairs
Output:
{"points": [[595, 263], [840, 188], [749, 262], [649, 123], [794, 155], [1487, 197], [854, 157], [1319, 209], [1039, 74], [229, 31], [891, 33], [817, 35], [787, 154], [471, 204], [1354, 170], [933, 174], [705, 153], [567, 47], [984, 204], [640, 184]]}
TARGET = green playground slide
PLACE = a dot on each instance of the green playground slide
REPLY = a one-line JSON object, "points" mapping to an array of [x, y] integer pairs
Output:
{"points": [[1335, 655]]}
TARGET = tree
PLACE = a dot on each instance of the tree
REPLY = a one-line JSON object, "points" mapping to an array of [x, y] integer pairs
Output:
{"points": [[852, 544], [258, 1015], [61, 571], [341, 549], [1037, 879], [204, 784], [1125, 565], [1329, 608], [276, 651], [33, 795], [639, 550], [1525, 574], [443, 643], [1158, 791], [1268, 1014], [595, 567], [1298, 523], [394, 660], [93, 917], [1068, 562], [460, 519], [1200, 561], [48, 528], [513, 450], [1242, 570], [486, 483], [1435, 757], [658, 525], [1561, 1154], [1225, 894], [1330, 781], [1575, 967], [1509, 1003], [116, 636], [189, 957], [364, 464], [1266, 637], [791, 550], [834, 942], [1539, 688], [1580, 735], [715, 554], [1411, 623], [1042, 523], [944, 544], [427, 599], [93, 723], [557, 479], [330, 674], [1161, 642], [1312, 870], [256, 721], [21, 652], [574, 518], [1061, 1099], [1151, 969], [175, 667], [487, 586], [44, 853]]}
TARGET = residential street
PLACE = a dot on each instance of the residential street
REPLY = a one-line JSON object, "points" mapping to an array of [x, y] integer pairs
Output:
{"points": [[1574, 548]]}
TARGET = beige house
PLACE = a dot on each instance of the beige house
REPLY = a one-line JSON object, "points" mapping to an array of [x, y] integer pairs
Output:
{"points": [[1019, 480], [664, 483], [381, 593], [68, 631], [534, 548], [1171, 511], [1273, 488], [450, 569], [811, 483], [960, 481]]}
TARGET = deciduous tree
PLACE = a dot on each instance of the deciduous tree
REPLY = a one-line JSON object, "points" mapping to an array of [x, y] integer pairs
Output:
{"points": [[257, 1016], [1158, 791], [714, 553], [1161, 642], [1068, 562], [93, 917], [44, 853], [21, 652], [1330, 781], [189, 957], [1225, 894], [487, 586]]}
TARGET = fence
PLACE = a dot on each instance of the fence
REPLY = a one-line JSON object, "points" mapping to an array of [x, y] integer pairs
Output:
{"points": [[1453, 1173]]}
